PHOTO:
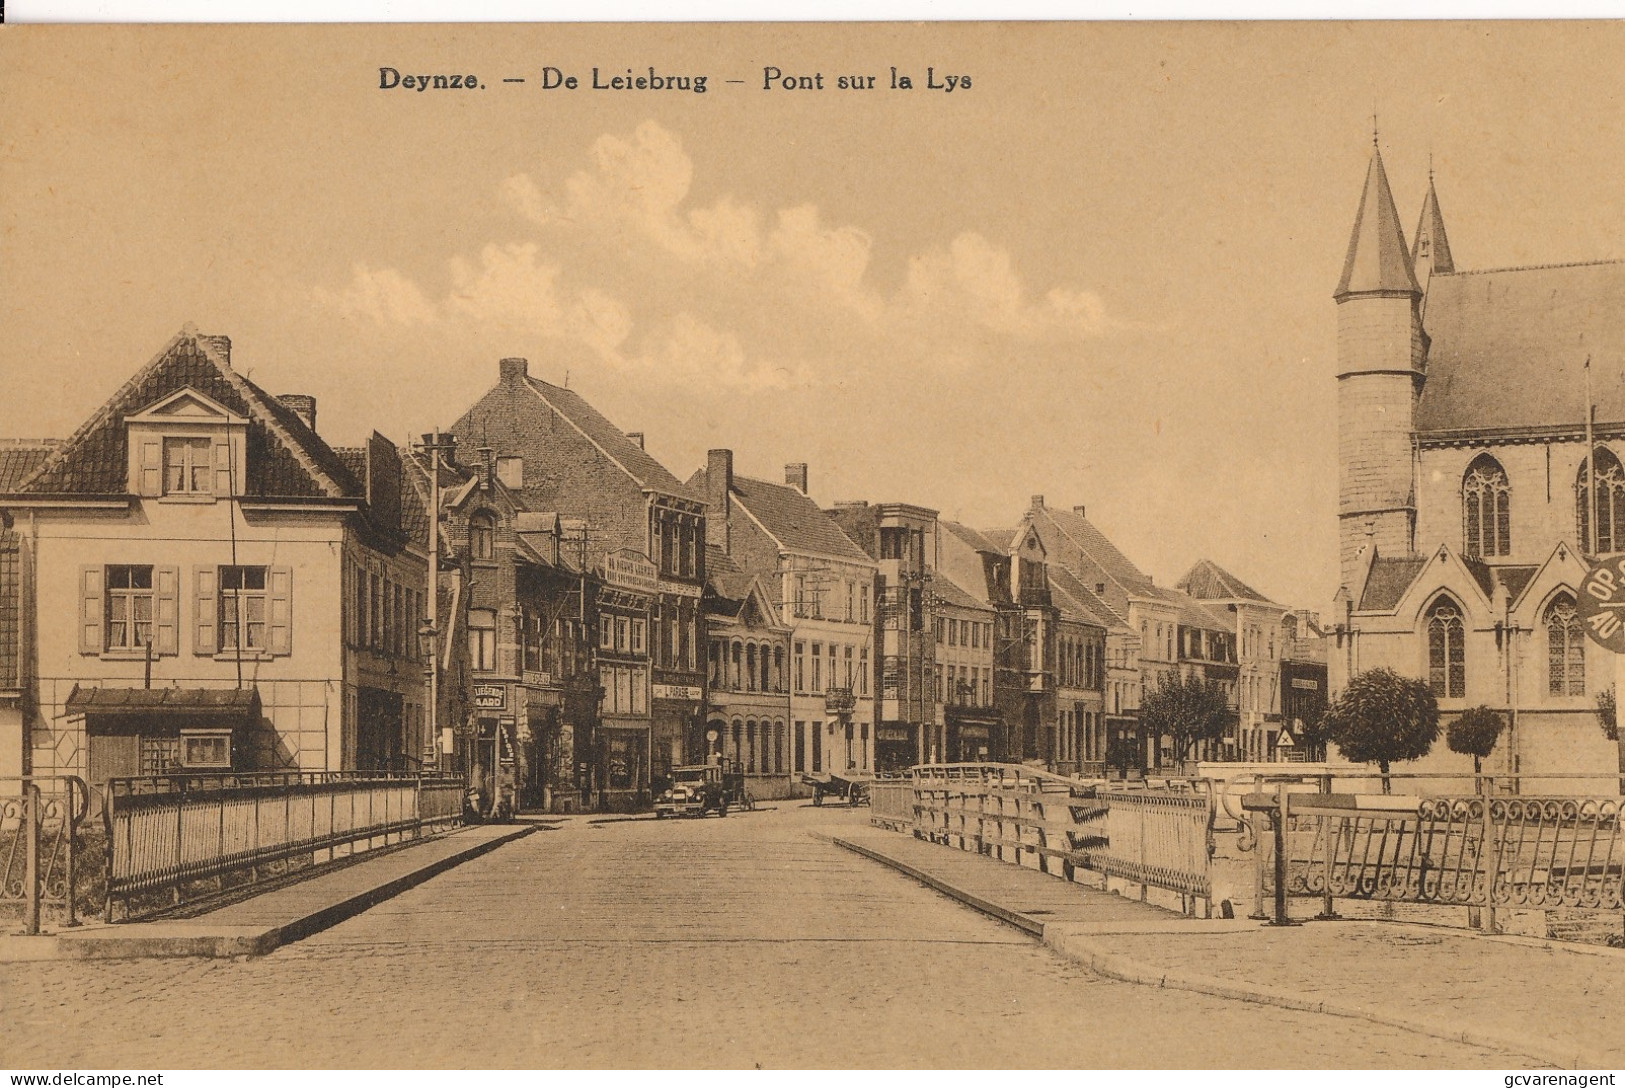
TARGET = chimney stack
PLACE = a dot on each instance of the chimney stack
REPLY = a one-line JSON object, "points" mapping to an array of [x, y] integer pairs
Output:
{"points": [[636, 437], [795, 475], [1038, 502], [1078, 510], [513, 370], [486, 466], [302, 406], [719, 482]]}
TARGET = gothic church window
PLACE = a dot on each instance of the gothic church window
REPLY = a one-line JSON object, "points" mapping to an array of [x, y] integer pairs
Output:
{"points": [[1565, 648], [1447, 662], [1608, 503], [1486, 508]]}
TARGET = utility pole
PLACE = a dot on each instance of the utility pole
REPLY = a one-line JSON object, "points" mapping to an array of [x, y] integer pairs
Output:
{"points": [[433, 444], [1590, 542]]}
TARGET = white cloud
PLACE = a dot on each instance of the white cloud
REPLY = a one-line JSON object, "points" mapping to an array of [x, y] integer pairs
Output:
{"points": [[728, 293]]}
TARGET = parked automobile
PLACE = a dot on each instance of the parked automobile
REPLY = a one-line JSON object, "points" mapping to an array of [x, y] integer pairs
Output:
{"points": [[694, 791]]}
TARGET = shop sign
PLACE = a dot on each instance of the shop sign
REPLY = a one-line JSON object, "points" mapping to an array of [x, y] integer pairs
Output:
{"points": [[535, 679], [892, 733], [677, 691], [490, 696], [679, 589], [628, 569]]}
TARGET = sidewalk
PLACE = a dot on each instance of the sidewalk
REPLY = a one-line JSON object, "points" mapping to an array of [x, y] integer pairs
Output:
{"points": [[257, 925], [1557, 1003]]}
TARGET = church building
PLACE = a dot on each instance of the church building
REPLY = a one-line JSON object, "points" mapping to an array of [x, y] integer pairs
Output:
{"points": [[1471, 486]]}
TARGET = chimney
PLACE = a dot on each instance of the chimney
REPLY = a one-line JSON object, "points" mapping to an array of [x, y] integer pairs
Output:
{"points": [[486, 466], [795, 475], [636, 437], [719, 482], [302, 406], [513, 370], [1078, 510], [1038, 502]]}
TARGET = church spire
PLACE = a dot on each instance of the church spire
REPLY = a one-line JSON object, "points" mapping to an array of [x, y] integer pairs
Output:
{"points": [[1378, 260], [1432, 246]]}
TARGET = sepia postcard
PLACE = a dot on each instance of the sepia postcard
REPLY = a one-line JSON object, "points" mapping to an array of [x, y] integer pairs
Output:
{"points": [[805, 546]]}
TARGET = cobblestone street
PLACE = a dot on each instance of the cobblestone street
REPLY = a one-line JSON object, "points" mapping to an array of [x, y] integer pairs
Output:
{"points": [[639, 943]]}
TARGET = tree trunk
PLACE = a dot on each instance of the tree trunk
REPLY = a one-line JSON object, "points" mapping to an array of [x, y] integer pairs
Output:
{"points": [[1382, 765]]}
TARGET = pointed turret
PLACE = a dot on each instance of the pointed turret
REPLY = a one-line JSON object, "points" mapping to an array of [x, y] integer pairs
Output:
{"points": [[1381, 366], [1378, 261], [1432, 248]]}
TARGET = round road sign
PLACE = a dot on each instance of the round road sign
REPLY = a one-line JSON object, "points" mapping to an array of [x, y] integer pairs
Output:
{"points": [[1602, 603]]}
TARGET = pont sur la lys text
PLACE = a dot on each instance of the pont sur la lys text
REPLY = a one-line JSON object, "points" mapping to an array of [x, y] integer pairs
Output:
{"points": [[773, 79]]}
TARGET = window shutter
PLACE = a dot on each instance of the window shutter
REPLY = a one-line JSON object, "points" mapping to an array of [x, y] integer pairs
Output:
{"points": [[166, 610], [206, 598], [280, 626], [91, 587], [222, 468], [150, 471]]}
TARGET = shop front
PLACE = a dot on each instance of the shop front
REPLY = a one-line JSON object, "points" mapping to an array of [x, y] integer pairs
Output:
{"points": [[623, 764], [896, 746], [970, 735], [148, 731]]}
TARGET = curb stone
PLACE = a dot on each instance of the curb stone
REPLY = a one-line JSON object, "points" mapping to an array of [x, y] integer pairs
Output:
{"points": [[196, 938], [1089, 954]]}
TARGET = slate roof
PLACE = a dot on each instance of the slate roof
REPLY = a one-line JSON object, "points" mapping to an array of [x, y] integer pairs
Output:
{"points": [[1388, 581], [1207, 581], [726, 578], [977, 540], [793, 518], [1001, 539], [1431, 227], [644, 469], [1378, 259], [1092, 606], [1508, 348], [286, 459], [1515, 578], [19, 461], [955, 595], [1193, 613], [1083, 533]]}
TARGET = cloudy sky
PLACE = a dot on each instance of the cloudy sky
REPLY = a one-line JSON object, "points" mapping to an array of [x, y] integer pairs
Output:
{"points": [[1102, 272]]}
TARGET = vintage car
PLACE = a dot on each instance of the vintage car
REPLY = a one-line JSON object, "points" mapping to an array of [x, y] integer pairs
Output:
{"points": [[694, 791]]}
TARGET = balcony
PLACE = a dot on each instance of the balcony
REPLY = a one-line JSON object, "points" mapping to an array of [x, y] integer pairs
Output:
{"points": [[840, 701]]}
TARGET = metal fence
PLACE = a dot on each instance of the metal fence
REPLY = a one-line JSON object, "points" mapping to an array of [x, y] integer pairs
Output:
{"points": [[1161, 838], [39, 844], [1479, 846], [169, 832]]}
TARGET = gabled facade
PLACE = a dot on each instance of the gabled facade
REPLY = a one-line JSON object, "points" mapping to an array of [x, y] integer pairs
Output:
{"points": [[519, 627], [202, 582], [1467, 502], [645, 537], [748, 689], [823, 585], [1258, 647], [981, 566]]}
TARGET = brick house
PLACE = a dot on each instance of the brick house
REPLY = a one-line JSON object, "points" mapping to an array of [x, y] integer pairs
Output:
{"points": [[645, 539], [203, 583], [748, 688]]}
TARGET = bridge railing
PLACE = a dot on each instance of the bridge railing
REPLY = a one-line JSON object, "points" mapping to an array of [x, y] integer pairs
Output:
{"points": [[40, 845], [1478, 843], [168, 833], [1154, 837]]}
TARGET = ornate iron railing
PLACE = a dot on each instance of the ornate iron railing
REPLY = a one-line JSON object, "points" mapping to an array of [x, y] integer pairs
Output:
{"points": [[168, 833], [1160, 838], [1486, 849], [39, 843]]}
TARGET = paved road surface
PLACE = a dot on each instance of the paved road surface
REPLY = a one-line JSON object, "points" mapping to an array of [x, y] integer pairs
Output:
{"points": [[733, 942]]}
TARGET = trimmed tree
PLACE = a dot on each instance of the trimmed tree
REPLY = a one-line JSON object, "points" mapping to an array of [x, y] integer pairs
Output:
{"points": [[1382, 717], [1606, 714], [1312, 731], [1187, 708], [1474, 734]]}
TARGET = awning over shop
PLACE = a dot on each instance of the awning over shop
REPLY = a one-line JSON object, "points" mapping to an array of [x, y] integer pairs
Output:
{"points": [[226, 707]]}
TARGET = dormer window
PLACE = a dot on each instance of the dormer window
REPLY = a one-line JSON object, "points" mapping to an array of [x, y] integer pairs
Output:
{"points": [[188, 466], [186, 448]]}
